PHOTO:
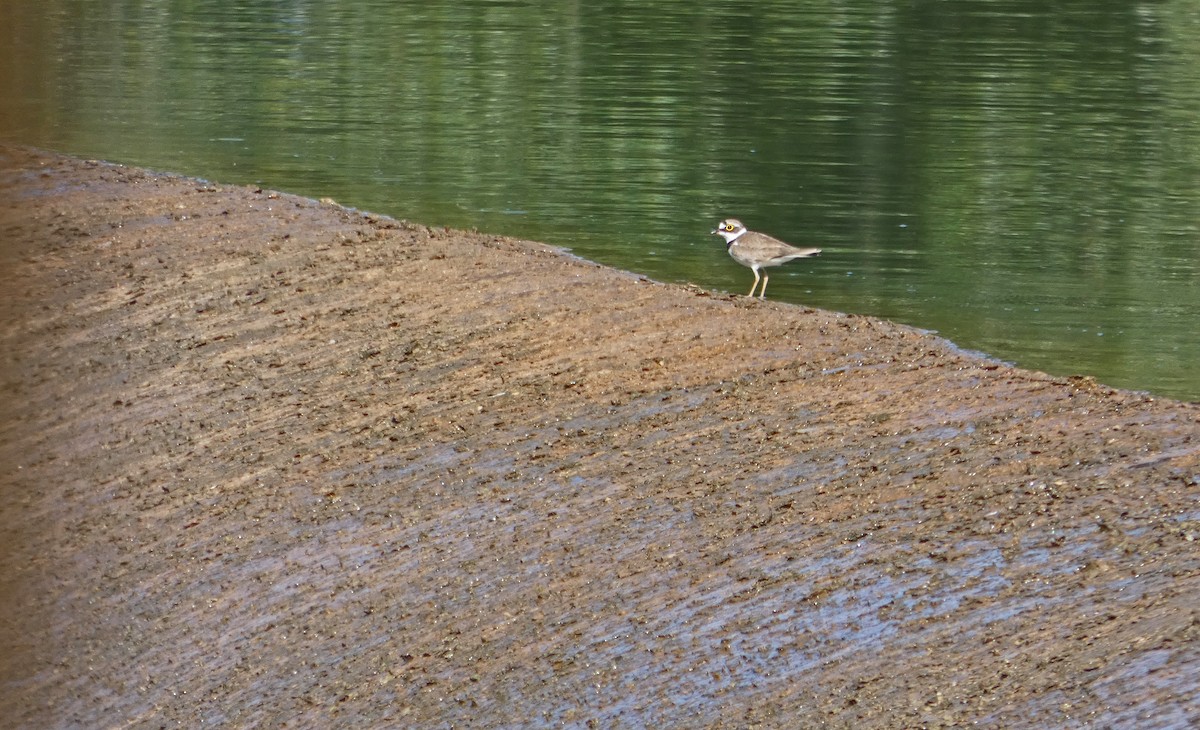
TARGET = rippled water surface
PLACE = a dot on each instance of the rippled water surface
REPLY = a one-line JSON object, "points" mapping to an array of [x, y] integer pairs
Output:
{"points": [[1023, 178]]}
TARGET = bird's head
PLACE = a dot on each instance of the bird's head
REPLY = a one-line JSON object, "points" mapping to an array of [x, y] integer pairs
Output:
{"points": [[729, 229]]}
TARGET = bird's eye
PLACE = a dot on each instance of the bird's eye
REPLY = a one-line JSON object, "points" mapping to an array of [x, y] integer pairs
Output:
{"points": [[729, 226]]}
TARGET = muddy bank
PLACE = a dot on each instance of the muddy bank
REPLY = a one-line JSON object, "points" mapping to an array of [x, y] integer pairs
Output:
{"points": [[269, 461]]}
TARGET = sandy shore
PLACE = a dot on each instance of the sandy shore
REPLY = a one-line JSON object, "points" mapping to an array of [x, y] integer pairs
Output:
{"points": [[270, 462]]}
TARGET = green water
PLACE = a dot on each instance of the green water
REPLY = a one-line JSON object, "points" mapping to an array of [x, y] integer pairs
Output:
{"points": [[1022, 177]]}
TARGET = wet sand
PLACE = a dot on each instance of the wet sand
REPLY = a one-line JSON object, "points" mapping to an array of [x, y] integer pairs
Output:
{"points": [[266, 461]]}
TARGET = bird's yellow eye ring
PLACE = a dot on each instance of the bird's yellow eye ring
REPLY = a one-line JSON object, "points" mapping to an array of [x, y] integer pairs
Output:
{"points": [[729, 226]]}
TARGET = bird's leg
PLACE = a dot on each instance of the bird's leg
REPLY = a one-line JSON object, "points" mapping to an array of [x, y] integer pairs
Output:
{"points": [[755, 284], [763, 294]]}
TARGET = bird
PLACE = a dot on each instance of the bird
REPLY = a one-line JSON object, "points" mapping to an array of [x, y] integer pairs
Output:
{"points": [[757, 250]]}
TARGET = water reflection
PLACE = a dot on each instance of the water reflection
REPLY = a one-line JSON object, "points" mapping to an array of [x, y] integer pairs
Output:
{"points": [[1022, 179]]}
